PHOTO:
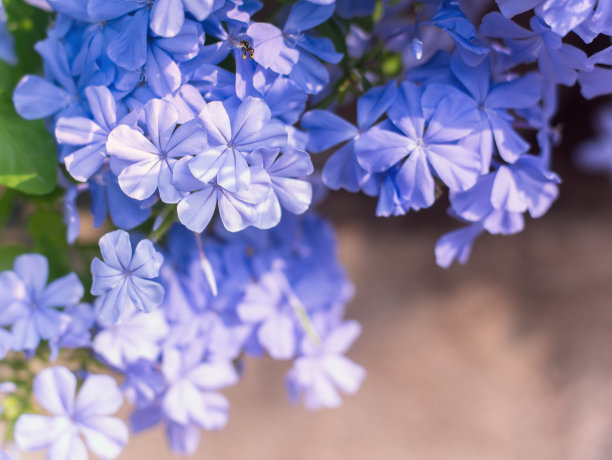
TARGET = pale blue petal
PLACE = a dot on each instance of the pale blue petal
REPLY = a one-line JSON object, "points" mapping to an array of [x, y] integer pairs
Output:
{"points": [[99, 395], [54, 389], [105, 436], [326, 129], [146, 261], [167, 17], [63, 292], [196, 210], [271, 50]]}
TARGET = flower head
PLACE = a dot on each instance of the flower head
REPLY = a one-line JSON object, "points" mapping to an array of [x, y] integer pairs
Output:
{"points": [[124, 277], [86, 413]]}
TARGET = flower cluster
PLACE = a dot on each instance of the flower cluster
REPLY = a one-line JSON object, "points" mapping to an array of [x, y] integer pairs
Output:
{"points": [[455, 122], [226, 297], [193, 122]]}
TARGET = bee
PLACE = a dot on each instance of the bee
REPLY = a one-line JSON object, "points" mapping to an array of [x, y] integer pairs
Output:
{"points": [[247, 51]]}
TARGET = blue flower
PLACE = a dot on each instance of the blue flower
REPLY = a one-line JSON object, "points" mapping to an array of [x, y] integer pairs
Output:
{"points": [[326, 130], [89, 135], [267, 305], [191, 396], [321, 372], [129, 47], [144, 161], [457, 245], [562, 16], [451, 19], [75, 333], [233, 132], [290, 51], [136, 336], [596, 79], [124, 278], [36, 97], [558, 62], [286, 171], [490, 103], [107, 198], [31, 305], [88, 414], [256, 205], [499, 199], [423, 145]]}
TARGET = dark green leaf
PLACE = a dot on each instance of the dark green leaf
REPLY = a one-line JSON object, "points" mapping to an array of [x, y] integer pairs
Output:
{"points": [[49, 233], [7, 199], [27, 153], [8, 254], [28, 25]]}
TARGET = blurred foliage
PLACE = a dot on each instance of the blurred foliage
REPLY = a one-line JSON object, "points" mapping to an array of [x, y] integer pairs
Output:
{"points": [[27, 149], [49, 233], [28, 25]]}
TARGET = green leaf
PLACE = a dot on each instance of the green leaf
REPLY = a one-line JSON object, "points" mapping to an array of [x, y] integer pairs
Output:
{"points": [[28, 25], [8, 254], [27, 153], [27, 150], [7, 199], [8, 79], [49, 233]]}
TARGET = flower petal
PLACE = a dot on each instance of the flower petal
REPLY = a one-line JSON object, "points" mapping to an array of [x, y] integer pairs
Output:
{"points": [[54, 389]]}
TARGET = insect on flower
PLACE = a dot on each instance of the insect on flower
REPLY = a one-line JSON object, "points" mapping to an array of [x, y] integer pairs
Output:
{"points": [[246, 49]]}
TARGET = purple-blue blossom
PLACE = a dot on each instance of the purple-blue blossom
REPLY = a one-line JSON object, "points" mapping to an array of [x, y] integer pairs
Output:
{"points": [[292, 52], [326, 130], [322, 371], [424, 145], [136, 336], [143, 157], [31, 306], [84, 413], [89, 135], [558, 62], [125, 277], [490, 103]]}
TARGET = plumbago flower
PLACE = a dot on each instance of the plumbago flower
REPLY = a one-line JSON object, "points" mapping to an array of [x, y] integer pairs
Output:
{"points": [[124, 278], [422, 146], [144, 159], [88, 135], [86, 413], [490, 103], [135, 336], [31, 306], [327, 130], [322, 370], [233, 132], [497, 203], [290, 51], [241, 171], [586, 17], [185, 397], [558, 62]]}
